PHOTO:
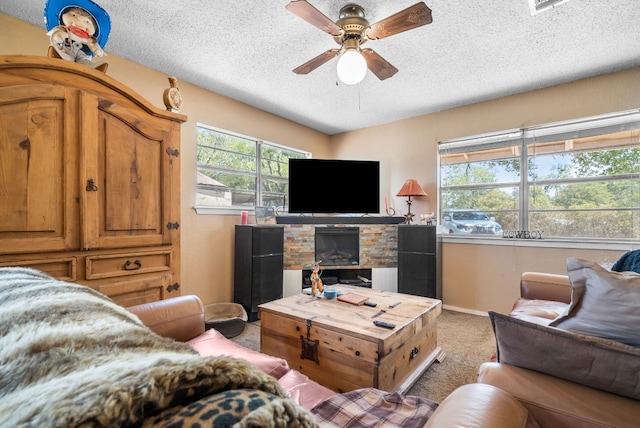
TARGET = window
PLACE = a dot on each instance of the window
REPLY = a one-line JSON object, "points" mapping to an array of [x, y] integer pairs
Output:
{"points": [[236, 171], [578, 179]]}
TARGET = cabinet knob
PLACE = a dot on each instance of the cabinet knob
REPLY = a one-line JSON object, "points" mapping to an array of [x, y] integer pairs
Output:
{"points": [[91, 186], [132, 266]]}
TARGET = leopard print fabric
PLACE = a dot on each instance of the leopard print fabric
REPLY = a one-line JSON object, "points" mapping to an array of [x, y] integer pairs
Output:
{"points": [[238, 408]]}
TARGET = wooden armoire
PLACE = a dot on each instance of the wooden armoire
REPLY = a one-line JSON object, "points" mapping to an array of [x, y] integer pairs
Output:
{"points": [[89, 180]]}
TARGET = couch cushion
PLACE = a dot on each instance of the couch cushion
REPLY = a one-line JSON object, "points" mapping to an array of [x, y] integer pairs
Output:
{"points": [[213, 343], [598, 363], [555, 402], [538, 311], [180, 318], [478, 405], [303, 390], [603, 303]]}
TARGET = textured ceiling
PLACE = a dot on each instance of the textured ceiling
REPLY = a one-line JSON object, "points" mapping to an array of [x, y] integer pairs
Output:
{"points": [[473, 51]]}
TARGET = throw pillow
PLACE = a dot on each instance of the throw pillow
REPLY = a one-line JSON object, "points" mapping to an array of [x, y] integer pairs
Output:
{"points": [[237, 408], [603, 303], [628, 262], [212, 343], [597, 363]]}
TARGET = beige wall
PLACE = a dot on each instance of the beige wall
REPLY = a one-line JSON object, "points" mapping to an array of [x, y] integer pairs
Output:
{"points": [[476, 277], [484, 277]]}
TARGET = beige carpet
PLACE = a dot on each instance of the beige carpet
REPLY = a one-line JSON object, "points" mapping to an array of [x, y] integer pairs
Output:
{"points": [[467, 340]]}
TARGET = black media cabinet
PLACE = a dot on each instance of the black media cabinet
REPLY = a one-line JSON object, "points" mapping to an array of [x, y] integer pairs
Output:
{"points": [[258, 266]]}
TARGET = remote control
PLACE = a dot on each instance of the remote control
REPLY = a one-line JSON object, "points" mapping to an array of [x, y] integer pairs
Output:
{"points": [[371, 304], [384, 324]]}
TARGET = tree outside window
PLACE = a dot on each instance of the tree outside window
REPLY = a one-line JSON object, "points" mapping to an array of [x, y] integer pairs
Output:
{"points": [[569, 180], [239, 171]]}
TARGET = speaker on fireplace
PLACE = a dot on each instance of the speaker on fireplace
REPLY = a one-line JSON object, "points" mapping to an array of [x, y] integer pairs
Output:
{"points": [[258, 266], [419, 261]]}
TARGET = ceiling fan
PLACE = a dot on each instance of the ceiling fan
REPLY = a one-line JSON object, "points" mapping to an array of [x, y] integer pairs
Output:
{"points": [[350, 31]]}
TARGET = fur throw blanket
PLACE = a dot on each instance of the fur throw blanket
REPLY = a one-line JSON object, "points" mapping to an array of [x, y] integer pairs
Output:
{"points": [[70, 357]]}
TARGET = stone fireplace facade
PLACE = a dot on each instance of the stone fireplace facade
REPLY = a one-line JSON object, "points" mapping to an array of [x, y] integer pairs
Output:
{"points": [[378, 246]]}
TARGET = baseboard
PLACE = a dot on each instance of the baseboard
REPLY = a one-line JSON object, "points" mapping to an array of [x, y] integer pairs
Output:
{"points": [[466, 311]]}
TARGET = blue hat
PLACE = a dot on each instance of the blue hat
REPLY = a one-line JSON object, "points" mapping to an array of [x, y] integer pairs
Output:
{"points": [[54, 9]]}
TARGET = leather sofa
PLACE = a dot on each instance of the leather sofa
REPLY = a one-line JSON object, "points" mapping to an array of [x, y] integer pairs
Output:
{"points": [[183, 319], [551, 400], [473, 405]]}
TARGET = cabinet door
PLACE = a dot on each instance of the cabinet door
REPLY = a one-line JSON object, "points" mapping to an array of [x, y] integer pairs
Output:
{"points": [[417, 274], [417, 239], [130, 169], [38, 156], [418, 271]]}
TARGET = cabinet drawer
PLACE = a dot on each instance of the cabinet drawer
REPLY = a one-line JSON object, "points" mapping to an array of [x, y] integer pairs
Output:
{"points": [[136, 290], [122, 264], [62, 268]]}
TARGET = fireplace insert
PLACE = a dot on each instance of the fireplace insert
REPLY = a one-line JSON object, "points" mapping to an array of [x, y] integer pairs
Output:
{"points": [[337, 246]]}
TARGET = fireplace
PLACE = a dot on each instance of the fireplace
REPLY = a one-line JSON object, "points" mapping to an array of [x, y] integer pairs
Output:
{"points": [[337, 246]]}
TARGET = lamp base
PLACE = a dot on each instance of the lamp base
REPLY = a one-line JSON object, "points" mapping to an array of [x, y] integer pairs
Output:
{"points": [[408, 217]]}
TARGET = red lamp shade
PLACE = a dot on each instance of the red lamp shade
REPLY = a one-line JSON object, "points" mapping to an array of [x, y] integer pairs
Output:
{"points": [[410, 188]]}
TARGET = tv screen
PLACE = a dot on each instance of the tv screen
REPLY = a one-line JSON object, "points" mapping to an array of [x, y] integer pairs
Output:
{"points": [[325, 186]]}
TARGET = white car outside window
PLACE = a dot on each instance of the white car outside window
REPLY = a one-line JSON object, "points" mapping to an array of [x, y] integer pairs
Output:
{"points": [[470, 222]]}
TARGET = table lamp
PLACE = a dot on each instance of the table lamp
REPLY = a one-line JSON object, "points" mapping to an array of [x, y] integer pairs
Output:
{"points": [[410, 188]]}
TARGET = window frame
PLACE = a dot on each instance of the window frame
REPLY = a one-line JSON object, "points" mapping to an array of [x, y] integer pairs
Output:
{"points": [[527, 138], [257, 173]]}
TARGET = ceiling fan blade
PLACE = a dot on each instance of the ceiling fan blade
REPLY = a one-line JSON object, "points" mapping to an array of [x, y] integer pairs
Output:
{"points": [[313, 16], [316, 62], [412, 17], [378, 65]]}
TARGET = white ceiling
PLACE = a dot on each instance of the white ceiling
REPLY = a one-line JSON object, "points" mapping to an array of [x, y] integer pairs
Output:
{"points": [[473, 51]]}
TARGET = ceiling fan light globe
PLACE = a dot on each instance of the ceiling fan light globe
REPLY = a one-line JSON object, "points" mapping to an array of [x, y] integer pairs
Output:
{"points": [[352, 67]]}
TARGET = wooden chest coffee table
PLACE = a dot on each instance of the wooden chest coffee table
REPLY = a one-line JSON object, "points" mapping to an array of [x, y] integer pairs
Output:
{"points": [[337, 344]]}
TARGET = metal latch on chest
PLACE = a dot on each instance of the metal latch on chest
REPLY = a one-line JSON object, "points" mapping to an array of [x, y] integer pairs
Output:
{"points": [[309, 348]]}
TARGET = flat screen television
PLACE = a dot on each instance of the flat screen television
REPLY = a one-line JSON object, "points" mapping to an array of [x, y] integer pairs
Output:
{"points": [[327, 186]]}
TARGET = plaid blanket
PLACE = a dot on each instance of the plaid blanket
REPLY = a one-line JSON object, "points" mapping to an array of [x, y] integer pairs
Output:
{"points": [[370, 408]]}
